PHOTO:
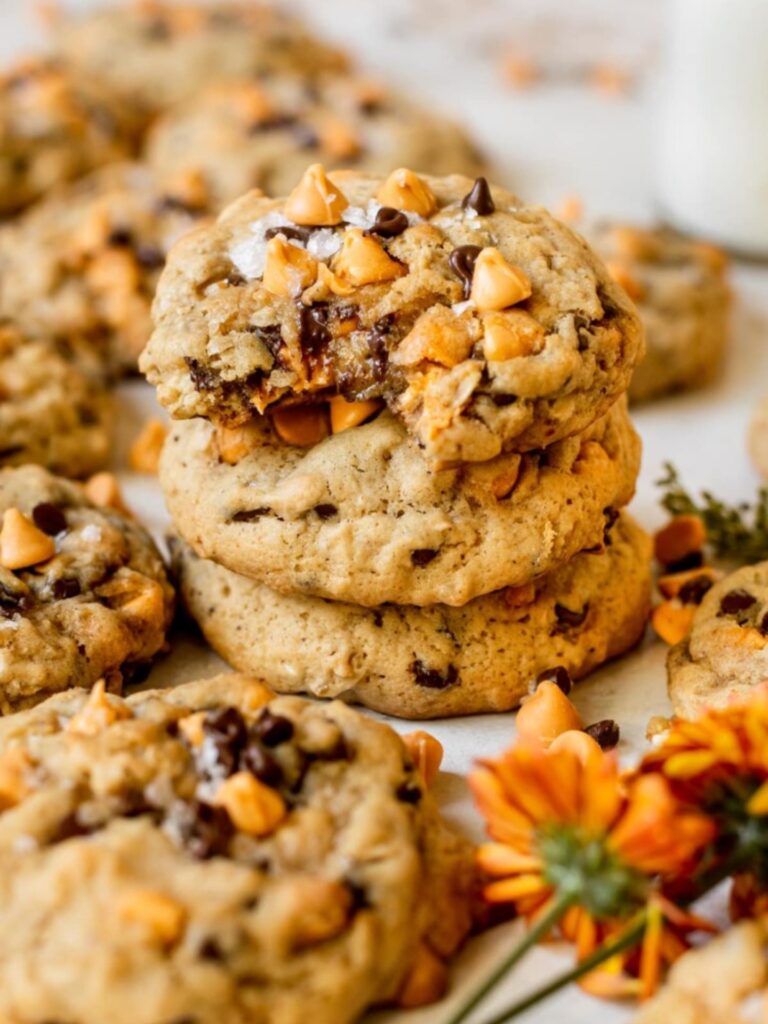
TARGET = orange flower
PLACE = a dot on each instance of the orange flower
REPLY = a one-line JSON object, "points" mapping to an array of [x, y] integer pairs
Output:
{"points": [[569, 829]]}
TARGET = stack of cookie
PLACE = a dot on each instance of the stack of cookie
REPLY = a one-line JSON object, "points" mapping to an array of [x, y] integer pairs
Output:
{"points": [[402, 444]]}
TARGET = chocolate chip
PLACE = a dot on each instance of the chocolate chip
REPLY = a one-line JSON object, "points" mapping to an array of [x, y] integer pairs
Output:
{"points": [[763, 625], [479, 199], [389, 222], [272, 124], [611, 515], [136, 672], [298, 234], [736, 601], [423, 556], [326, 511], [65, 588], [250, 515], [606, 732], [409, 793], [226, 730], [433, 678], [314, 335], [270, 336], [256, 760], [378, 618], [462, 261], [569, 619], [205, 830], [694, 590], [120, 238], [49, 518], [210, 950], [694, 560], [273, 730], [13, 602], [235, 280], [151, 257], [558, 675]]}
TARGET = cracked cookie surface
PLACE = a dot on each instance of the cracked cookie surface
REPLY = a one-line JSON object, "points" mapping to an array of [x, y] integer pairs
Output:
{"points": [[83, 590], [726, 653], [428, 662], [55, 409], [97, 246], [246, 858], [485, 324], [360, 517], [168, 51], [682, 293], [247, 134]]}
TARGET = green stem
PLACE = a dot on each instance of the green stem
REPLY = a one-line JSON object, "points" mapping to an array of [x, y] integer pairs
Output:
{"points": [[543, 926], [629, 937], [624, 940]]}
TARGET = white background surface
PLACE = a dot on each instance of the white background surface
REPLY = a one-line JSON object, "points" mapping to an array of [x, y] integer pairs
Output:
{"points": [[556, 139]]}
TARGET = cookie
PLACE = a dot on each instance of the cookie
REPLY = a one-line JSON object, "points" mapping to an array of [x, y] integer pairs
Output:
{"points": [[428, 662], [726, 653], [53, 128], [84, 593], [681, 290], [97, 247], [485, 324], [246, 135], [55, 409], [157, 53], [360, 517], [210, 854]]}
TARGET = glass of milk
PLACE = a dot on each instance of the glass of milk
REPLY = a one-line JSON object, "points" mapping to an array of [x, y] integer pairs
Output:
{"points": [[713, 168]]}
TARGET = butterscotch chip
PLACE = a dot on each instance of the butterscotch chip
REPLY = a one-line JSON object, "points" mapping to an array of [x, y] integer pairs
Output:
{"points": [[144, 455], [87, 599], [400, 254], [115, 844]]}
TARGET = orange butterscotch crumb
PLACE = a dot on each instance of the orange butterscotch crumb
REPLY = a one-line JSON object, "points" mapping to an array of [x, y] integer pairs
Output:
{"points": [[253, 807], [234, 443], [103, 490], [15, 766], [626, 280], [144, 454], [510, 335], [301, 425], [162, 917], [610, 79], [97, 713], [672, 620], [519, 71], [426, 753]]}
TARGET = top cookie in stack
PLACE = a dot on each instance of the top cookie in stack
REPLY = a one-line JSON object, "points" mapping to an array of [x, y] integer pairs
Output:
{"points": [[414, 394]]}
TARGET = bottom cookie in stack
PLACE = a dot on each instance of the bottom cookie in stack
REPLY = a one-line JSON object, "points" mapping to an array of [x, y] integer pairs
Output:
{"points": [[247, 859], [431, 661]]}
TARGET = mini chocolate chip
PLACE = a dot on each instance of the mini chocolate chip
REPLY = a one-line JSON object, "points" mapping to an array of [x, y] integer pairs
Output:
{"points": [[389, 222], [136, 672], [149, 256], [479, 199], [175, 204], [12, 603], [694, 560], [408, 793], [272, 124], [256, 760], [298, 234], [225, 728], [250, 515], [606, 732], [558, 675], [462, 261], [305, 136], [433, 678], [378, 618], [120, 238], [694, 590], [273, 730], [611, 515], [210, 950], [235, 280], [736, 601], [326, 511], [763, 625], [49, 518], [270, 336], [314, 334], [423, 556], [65, 588], [501, 401], [569, 619], [205, 830]]}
